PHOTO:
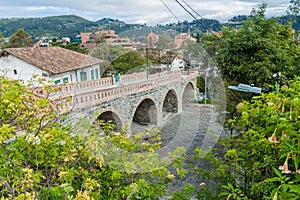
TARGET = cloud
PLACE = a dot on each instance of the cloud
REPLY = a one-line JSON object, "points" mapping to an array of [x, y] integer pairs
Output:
{"points": [[142, 11]]}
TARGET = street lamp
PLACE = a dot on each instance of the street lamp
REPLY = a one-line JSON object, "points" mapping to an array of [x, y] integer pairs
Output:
{"points": [[205, 83], [249, 88]]}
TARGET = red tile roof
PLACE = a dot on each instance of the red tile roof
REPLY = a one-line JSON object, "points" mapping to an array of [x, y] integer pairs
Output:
{"points": [[56, 60]]}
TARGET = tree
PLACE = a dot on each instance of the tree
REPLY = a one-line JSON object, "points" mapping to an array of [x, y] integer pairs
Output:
{"points": [[19, 39], [130, 61], [73, 46], [165, 42], [209, 43], [261, 161], [1, 38], [99, 37], [42, 159], [253, 53], [108, 53]]}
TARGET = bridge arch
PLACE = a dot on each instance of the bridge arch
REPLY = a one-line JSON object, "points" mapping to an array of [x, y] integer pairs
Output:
{"points": [[188, 94], [145, 112], [112, 116], [170, 102]]}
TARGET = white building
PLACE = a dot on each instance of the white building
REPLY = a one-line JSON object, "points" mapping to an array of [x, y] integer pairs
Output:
{"points": [[177, 64], [52, 63]]}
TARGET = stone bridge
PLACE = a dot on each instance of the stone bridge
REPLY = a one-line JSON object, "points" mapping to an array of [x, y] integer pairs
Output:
{"points": [[138, 100]]}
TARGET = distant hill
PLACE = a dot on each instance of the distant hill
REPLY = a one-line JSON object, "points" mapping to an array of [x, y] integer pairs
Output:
{"points": [[116, 25], [54, 26], [282, 19], [61, 26], [72, 25], [108, 20]]}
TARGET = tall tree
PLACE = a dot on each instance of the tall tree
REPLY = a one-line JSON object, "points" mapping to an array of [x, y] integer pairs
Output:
{"points": [[1, 38], [262, 160], [253, 53], [20, 39], [165, 42], [130, 61]]}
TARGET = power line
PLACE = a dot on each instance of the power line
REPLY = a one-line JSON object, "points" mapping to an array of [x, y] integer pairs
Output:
{"points": [[197, 20], [187, 10], [170, 10], [192, 8]]}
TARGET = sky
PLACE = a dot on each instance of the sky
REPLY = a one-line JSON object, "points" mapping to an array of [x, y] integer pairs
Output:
{"points": [[151, 12]]}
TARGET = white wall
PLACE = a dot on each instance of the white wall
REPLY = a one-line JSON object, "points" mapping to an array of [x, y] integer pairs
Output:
{"points": [[16, 68], [24, 71], [177, 64]]}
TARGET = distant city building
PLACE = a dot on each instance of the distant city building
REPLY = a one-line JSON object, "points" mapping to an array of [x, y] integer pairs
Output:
{"points": [[52, 63], [152, 40], [66, 40], [178, 63], [87, 40], [45, 42], [111, 38], [181, 38], [76, 39]]}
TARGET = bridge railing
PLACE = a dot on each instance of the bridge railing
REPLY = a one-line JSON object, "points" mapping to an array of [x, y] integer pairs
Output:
{"points": [[133, 77], [188, 75], [88, 92], [83, 99]]}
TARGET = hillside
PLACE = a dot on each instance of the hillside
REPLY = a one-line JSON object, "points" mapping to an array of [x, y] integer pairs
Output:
{"points": [[72, 25], [54, 26]]}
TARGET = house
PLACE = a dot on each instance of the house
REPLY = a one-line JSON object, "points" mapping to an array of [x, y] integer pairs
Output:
{"points": [[178, 63], [51, 63], [111, 38], [87, 41]]}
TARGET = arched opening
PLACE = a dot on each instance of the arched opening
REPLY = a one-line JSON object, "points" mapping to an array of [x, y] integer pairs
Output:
{"points": [[111, 117], [170, 104], [146, 113], [145, 116], [188, 93]]}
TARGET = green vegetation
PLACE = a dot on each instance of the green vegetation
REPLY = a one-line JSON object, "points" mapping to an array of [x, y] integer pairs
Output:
{"points": [[254, 52], [261, 158], [40, 158], [19, 39], [72, 25], [118, 59], [73, 46], [52, 27], [257, 50], [130, 61]]}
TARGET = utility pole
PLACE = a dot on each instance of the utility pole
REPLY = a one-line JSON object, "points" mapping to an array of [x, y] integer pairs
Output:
{"points": [[205, 85], [147, 65]]}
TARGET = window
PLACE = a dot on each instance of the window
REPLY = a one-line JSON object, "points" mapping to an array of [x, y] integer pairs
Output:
{"points": [[15, 72], [92, 74], [83, 76], [66, 80], [97, 73], [57, 82]]}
